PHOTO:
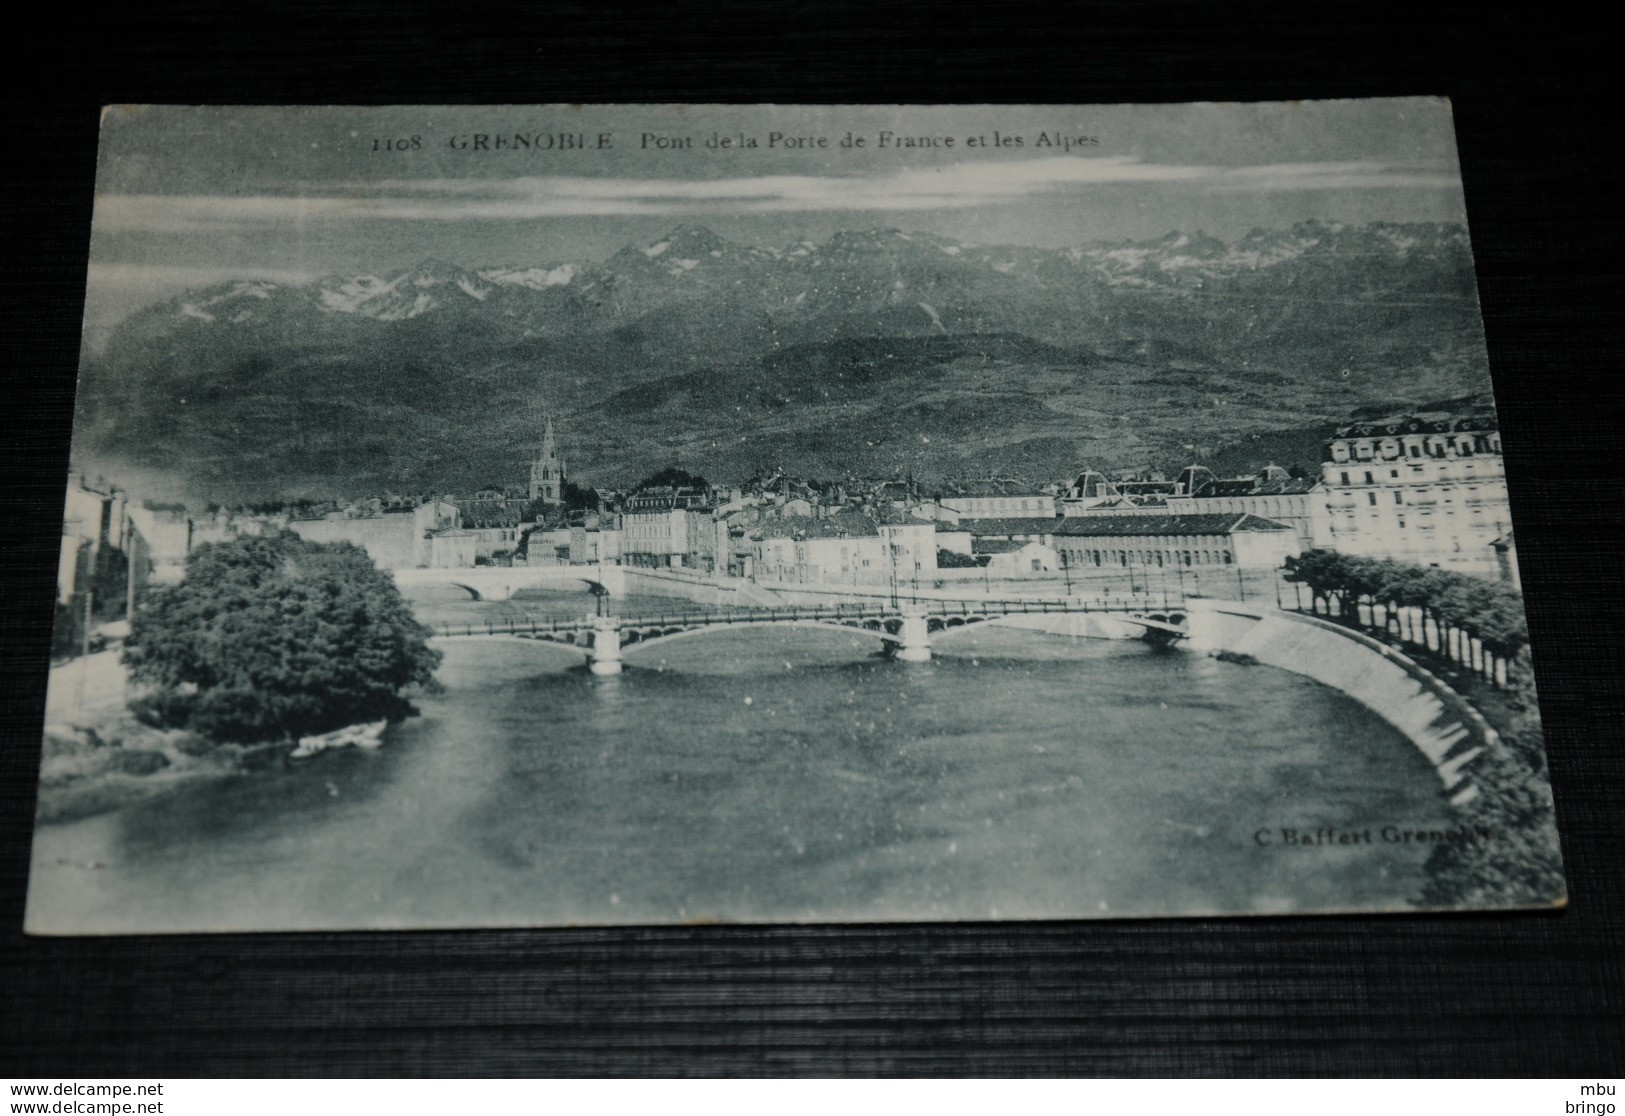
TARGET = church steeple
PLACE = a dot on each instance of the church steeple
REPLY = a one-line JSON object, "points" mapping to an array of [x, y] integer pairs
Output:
{"points": [[547, 471]]}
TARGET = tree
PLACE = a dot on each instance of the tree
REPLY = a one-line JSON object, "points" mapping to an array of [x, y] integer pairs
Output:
{"points": [[672, 477], [577, 497], [274, 637], [1326, 574]]}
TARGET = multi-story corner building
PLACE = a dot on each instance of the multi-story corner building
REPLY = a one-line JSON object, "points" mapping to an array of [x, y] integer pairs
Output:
{"points": [[669, 527], [1425, 489], [1299, 502]]}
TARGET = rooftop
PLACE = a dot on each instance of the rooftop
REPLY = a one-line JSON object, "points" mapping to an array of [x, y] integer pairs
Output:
{"points": [[998, 546], [1005, 525], [1252, 486], [843, 525], [1430, 422], [990, 487]]}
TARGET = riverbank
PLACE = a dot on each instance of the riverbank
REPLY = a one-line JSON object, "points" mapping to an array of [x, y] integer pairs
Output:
{"points": [[95, 757]]}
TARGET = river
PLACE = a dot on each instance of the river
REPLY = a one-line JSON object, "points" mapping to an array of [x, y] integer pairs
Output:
{"points": [[778, 775]]}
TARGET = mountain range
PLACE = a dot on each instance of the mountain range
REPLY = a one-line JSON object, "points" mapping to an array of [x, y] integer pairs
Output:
{"points": [[875, 352]]}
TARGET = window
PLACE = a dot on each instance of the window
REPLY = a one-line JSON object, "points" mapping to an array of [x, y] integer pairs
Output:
{"points": [[1345, 477], [1393, 474], [1399, 497], [1368, 478], [1037, 565], [1227, 558], [1371, 498], [1416, 451]]}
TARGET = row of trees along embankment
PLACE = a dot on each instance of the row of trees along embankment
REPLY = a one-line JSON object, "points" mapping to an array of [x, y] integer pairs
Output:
{"points": [[1474, 623], [1474, 634]]}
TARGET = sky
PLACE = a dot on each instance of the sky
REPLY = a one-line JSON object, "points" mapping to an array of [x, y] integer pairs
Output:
{"points": [[192, 196]]}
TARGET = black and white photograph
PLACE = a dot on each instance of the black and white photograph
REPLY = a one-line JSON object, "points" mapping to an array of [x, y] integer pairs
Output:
{"points": [[529, 516]]}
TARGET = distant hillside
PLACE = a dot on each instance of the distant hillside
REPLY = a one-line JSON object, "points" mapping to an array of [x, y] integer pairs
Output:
{"points": [[873, 352]]}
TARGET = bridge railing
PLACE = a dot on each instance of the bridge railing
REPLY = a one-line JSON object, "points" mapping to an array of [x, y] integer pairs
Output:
{"points": [[1414, 630], [839, 612]]}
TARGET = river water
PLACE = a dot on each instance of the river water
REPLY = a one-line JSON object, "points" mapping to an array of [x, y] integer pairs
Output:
{"points": [[778, 775]]}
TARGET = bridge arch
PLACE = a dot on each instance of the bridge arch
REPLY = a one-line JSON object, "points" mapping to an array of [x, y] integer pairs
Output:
{"points": [[500, 583], [578, 649], [492, 591], [666, 637]]}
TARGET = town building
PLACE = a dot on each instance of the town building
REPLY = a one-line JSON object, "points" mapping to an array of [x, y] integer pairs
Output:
{"points": [[93, 522], [1173, 541], [452, 548], [671, 527], [488, 507], [847, 548], [594, 544], [157, 540], [395, 540], [1011, 559], [1273, 493], [493, 543], [1423, 489], [844, 548], [971, 536]]}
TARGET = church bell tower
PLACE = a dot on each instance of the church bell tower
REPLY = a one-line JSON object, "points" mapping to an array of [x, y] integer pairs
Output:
{"points": [[547, 471]]}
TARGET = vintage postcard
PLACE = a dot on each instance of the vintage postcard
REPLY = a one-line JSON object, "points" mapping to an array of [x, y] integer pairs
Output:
{"points": [[529, 516]]}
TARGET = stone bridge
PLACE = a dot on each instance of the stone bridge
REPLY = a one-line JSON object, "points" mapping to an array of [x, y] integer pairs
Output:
{"points": [[905, 629], [499, 583]]}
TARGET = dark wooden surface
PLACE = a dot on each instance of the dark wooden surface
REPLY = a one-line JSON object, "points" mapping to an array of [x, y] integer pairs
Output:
{"points": [[1535, 100]]}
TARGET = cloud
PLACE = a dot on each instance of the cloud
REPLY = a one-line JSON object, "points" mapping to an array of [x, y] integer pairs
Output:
{"points": [[958, 186]]}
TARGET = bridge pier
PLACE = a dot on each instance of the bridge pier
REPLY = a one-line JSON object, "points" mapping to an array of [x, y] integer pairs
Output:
{"points": [[1202, 622], [606, 645], [914, 638], [613, 579]]}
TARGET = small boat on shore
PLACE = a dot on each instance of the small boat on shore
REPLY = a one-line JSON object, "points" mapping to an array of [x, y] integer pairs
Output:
{"points": [[368, 737]]}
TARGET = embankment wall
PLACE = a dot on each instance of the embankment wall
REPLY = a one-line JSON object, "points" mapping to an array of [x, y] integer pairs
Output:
{"points": [[1436, 719]]}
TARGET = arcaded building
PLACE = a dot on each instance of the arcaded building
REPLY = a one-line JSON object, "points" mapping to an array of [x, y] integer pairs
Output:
{"points": [[1173, 541]]}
